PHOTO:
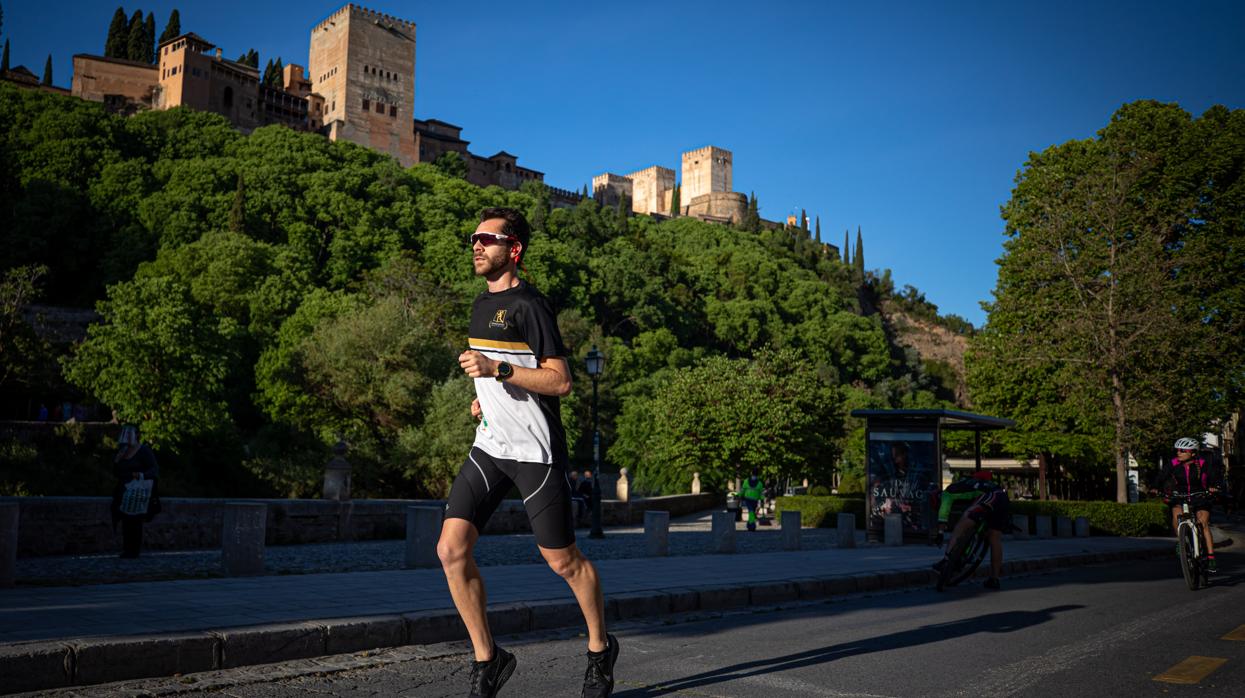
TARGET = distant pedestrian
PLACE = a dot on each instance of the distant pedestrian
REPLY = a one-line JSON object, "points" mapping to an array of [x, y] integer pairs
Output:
{"points": [[43, 412], [584, 488], [752, 491], [581, 504], [518, 361], [134, 462]]}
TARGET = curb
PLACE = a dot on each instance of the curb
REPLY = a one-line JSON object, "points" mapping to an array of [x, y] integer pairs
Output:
{"points": [[77, 662]]}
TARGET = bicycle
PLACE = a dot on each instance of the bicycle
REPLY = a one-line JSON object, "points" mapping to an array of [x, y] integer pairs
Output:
{"points": [[964, 556], [1190, 545]]}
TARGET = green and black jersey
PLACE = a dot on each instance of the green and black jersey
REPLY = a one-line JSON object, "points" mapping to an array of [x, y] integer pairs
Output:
{"points": [[517, 326]]}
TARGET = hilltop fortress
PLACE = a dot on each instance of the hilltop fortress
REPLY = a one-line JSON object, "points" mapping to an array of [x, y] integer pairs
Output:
{"points": [[359, 86]]}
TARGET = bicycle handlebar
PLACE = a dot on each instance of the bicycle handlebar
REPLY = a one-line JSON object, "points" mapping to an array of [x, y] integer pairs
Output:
{"points": [[1190, 495]]}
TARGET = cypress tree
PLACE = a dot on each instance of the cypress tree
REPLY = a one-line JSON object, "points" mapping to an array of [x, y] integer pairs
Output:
{"points": [[752, 222], [266, 76], [859, 259], [804, 221], [149, 38], [252, 58], [136, 38], [847, 257], [4, 63], [47, 71], [675, 205], [278, 74], [585, 194], [114, 45], [818, 230], [237, 215], [173, 28]]}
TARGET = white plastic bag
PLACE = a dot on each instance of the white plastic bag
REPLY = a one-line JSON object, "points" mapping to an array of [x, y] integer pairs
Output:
{"points": [[136, 497]]}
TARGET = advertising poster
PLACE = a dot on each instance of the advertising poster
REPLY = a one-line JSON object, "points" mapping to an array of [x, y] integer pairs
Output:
{"points": [[903, 479]]}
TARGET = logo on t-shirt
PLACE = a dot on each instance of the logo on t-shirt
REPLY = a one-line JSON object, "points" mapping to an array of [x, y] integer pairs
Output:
{"points": [[499, 319]]}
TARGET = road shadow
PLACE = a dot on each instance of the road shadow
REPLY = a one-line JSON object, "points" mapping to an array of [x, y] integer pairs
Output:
{"points": [[1007, 622]]}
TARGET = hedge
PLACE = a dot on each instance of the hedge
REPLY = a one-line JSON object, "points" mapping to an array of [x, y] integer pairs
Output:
{"points": [[1105, 518], [823, 512]]}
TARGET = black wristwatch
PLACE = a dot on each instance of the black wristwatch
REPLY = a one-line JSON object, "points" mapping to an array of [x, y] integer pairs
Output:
{"points": [[504, 371]]}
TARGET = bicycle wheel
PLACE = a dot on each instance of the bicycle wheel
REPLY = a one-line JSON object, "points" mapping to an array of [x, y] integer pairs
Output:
{"points": [[1188, 563], [955, 557], [978, 546]]}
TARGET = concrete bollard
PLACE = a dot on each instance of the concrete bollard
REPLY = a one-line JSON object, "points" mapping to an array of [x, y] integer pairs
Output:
{"points": [[1041, 526], [790, 530], [1020, 523], [242, 540], [1082, 527], [846, 529], [893, 524], [1063, 526], [695, 483], [423, 530], [657, 533], [8, 543], [723, 532]]}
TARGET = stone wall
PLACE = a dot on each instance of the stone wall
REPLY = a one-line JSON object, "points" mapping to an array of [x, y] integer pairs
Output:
{"points": [[125, 86], [82, 525], [650, 187], [705, 170], [718, 206]]}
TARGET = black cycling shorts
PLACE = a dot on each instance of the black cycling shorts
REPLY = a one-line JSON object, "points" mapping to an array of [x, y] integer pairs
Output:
{"points": [[995, 507], [484, 481]]}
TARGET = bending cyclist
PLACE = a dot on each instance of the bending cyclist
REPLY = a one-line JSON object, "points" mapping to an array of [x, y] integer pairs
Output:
{"points": [[989, 502]]}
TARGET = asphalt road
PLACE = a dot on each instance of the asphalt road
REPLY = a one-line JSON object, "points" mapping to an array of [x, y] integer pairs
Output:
{"points": [[1090, 631]]}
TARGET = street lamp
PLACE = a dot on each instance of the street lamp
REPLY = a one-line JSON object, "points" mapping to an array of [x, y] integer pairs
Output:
{"points": [[596, 364]]}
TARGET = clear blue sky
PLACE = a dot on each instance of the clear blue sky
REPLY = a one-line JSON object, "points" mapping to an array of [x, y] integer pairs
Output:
{"points": [[908, 119]]}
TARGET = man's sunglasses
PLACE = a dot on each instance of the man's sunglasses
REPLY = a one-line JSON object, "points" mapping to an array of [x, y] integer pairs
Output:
{"points": [[489, 239]]}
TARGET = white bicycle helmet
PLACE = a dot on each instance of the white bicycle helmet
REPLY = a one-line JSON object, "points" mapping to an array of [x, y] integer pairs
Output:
{"points": [[1186, 444]]}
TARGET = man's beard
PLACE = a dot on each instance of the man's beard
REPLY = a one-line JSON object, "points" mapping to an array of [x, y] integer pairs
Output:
{"points": [[488, 266]]}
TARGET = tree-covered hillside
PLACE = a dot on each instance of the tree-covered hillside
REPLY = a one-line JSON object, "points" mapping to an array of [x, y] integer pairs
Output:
{"points": [[264, 296]]}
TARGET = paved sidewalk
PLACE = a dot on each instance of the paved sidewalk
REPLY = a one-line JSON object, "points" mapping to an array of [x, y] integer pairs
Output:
{"points": [[57, 613]]}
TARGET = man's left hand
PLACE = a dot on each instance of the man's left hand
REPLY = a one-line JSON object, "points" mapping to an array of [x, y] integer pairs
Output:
{"points": [[477, 365]]}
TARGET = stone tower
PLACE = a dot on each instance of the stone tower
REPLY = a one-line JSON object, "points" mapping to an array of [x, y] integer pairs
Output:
{"points": [[363, 64], [705, 170]]}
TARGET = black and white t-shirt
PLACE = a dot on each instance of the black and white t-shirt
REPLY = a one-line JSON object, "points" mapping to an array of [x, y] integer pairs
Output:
{"points": [[517, 326]]}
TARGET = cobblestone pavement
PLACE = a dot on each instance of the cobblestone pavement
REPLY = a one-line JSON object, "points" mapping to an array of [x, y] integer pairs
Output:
{"points": [[687, 537]]}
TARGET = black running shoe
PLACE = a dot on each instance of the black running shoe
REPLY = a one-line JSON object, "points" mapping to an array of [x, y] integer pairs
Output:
{"points": [[1211, 566], [938, 566], [487, 678], [599, 678], [993, 583]]}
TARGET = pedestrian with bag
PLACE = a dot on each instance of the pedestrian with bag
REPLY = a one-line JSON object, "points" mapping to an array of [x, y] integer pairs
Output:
{"points": [[135, 499]]}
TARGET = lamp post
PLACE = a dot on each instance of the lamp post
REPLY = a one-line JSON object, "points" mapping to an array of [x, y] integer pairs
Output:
{"points": [[595, 363]]}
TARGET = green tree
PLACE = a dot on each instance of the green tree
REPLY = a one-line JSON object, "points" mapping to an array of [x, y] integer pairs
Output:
{"points": [[251, 58], [237, 214], [804, 222], [752, 219], [858, 261], [115, 46], [847, 248], [676, 207], [172, 28], [451, 164], [818, 230], [4, 62], [136, 38], [19, 345], [1105, 287], [149, 38], [47, 71]]}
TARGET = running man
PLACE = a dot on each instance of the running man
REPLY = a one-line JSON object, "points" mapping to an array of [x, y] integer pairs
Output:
{"points": [[519, 365]]}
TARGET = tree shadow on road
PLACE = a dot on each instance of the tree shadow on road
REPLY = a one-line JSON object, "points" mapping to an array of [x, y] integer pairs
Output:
{"points": [[1008, 622]]}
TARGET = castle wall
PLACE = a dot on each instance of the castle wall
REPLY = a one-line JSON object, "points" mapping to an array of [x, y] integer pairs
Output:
{"points": [[609, 188], [363, 63], [718, 206], [650, 187], [705, 170], [124, 86]]}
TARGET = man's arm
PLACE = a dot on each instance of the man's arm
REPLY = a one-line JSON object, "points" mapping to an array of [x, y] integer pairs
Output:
{"points": [[552, 377]]}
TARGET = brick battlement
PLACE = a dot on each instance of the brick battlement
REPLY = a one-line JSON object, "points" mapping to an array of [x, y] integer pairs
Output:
{"points": [[655, 170], [707, 150], [365, 14]]}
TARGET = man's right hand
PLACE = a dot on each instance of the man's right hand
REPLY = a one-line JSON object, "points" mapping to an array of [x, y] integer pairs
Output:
{"points": [[476, 412]]}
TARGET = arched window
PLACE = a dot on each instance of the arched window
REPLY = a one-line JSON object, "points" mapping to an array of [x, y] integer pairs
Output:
{"points": [[228, 97]]}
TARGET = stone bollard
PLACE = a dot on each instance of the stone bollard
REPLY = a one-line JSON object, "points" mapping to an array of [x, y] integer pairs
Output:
{"points": [[1020, 522], [723, 532], [8, 543], [423, 530], [893, 524], [695, 483], [242, 540], [1063, 526], [846, 529], [1041, 526], [337, 475], [790, 530], [657, 533], [622, 490], [1082, 527]]}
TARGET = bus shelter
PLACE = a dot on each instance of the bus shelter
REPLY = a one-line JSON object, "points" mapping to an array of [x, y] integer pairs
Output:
{"points": [[903, 463]]}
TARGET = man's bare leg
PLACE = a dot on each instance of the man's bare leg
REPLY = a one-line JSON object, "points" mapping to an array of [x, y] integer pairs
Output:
{"points": [[580, 574], [996, 553], [458, 539]]}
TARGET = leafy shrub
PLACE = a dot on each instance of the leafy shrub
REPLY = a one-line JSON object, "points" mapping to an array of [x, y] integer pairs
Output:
{"points": [[1105, 518], [819, 491], [823, 512]]}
